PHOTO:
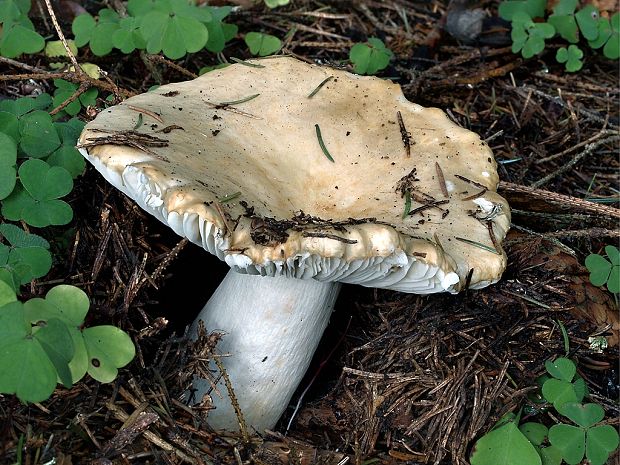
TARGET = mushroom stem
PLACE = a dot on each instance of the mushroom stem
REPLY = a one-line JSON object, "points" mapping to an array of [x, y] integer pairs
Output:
{"points": [[271, 327]]}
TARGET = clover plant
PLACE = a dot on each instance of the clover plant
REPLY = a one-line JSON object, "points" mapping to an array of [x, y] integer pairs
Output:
{"points": [[533, 443], [17, 34], [530, 31], [370, 57], [262, 44], [42, 342], [174, 27], [23, 256], [65, 89], [605, 271]]}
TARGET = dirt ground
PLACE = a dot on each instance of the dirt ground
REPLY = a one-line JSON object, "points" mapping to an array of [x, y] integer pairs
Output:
{"points": [[398, 378]]}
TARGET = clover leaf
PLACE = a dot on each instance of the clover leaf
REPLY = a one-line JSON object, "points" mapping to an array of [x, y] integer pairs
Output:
{"points": [[127, 37], [505, 445], [532, 8], [587, 19], [31, 358], [108, 348], [595, 442], [571, 56], [605, 271], [65, 89], [608, 37], [97, 33], [17, 34], [36, 202], [561, 368], [529, 37], [370, 57], [8, 160], [19, 107], [262, 44], [37, 135], [172, 26], [563, 19], [67, 155], [219, 31], [27, 256]]}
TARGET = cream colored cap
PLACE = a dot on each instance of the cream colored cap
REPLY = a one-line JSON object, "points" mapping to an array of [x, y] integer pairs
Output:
{"points": [[238, 161]]}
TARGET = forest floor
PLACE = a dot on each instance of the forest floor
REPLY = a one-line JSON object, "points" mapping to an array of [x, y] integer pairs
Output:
{"points": [[399, 378]]}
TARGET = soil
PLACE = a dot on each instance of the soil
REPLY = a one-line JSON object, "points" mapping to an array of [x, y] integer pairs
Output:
{"points": [[398, 378]]}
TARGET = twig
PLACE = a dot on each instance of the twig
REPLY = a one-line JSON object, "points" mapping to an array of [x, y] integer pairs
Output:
{"points": [[79, 91], [50, 10], [72, 77], [601, 133], [561, 199], [180, 69], [576, 159], [19, 64]]}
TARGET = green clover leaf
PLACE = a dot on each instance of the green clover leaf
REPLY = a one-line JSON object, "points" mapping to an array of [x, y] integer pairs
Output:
{"points": [[37, 201], [532, 8], [262, 44], [18, 37], [570, 441], [37, 135], [605, 271], [65, 89], [67, 155], [370, 57], [23, 105], [127, 37], [31, 359], [561, 368], [587, 20], [529, 37], [559, 391], [563, 19], [608, 37], [571, 56], [109, 348], [601, 441], [26, 258], [97, 33], [8, 169], [504, 445], [534, 432], [219, 31]]}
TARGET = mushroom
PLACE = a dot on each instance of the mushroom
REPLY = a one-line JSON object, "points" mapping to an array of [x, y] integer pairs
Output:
{"points": [[302, 177]]}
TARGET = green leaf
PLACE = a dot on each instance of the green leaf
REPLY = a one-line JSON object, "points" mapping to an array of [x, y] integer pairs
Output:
{"points": [[97, 33], [19, 107], [8, 169], [18, 37], [559, 392], [600, 442], [566, 26], [584, 415], [505, 445], [550, 455], [587, 20], [28, 257], [55, 48], [262, 44], [69, 158], [571, 56], [569, 440], [565, 7], [56, 341], [70, 302], [109, 348], [26, 369], [79, 362], [7, 294], [532, 8], [9, 125], [370, 57], [599, 268], [38, 137], [561, 368], [536, 433], [37, 202]]}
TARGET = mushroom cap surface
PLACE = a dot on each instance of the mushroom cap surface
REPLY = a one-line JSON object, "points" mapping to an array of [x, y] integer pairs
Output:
{"points": [[238, 161]]}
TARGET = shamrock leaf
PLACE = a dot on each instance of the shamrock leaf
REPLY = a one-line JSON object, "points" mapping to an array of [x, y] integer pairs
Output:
{"points": [[600, 442], [262, 44], [8, 160], [584, 415], [571, 56], [26, 258], [37, 202], [109, 348], [30, 359], [65, 89], [608, 36], [587, 19], [561, 368], [534, 432], [127, 37], [98, 33], [569, 440], [370, 57], [219, 32], [605, 271], [529, 37], [532, 8], [504, 445], [37, 135], [67, 155], [563, 19]]}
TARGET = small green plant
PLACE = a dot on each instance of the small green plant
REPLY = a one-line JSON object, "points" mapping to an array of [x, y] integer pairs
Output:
{"points": [[66, 89], [370, 57], [174, 27], [42, 342], [605, 271], [532, 443], [262, 44], [17, 34], [529, 33]]}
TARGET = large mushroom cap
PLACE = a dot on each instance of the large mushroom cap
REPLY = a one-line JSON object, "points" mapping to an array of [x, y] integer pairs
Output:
{"points": [[239, 161]]}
